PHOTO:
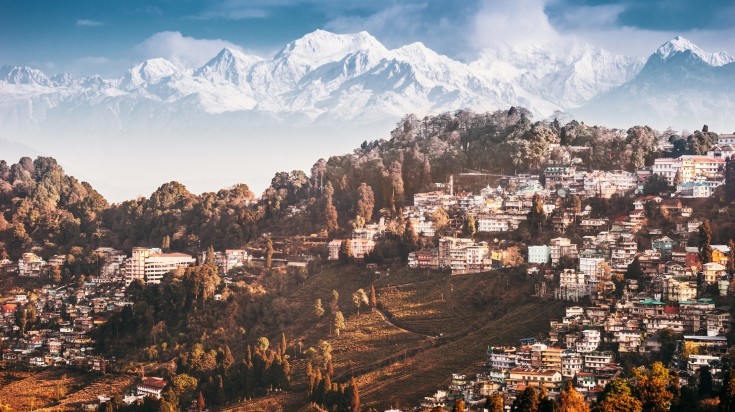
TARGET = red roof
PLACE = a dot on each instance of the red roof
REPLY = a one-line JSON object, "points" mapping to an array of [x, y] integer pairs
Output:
{"points": [[159, 383]]}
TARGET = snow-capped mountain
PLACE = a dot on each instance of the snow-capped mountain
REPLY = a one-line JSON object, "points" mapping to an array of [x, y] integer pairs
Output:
{"points": [[329, 78], [326, 78], [680, 85]]}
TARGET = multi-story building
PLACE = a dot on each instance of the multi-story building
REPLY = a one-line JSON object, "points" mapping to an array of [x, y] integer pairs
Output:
{"points": [[539, 254], [689, 168], [562, 246], [547, 378], [31, 265], [597, 360], [149, 265]]}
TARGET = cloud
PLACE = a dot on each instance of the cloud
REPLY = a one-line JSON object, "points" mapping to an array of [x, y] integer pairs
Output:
{"points": [[89, 23], [182, 50]]}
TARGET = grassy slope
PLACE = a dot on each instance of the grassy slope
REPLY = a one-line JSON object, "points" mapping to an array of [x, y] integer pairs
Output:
{"points": [[57, 390], [426, 329]]}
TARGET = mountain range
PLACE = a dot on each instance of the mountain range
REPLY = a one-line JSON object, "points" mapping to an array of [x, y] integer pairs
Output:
{"points": [[345, 88]]}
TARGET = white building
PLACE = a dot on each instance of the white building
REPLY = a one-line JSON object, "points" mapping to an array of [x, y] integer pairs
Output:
{"points": [[31, 265], [149, 265], [539, 254]]}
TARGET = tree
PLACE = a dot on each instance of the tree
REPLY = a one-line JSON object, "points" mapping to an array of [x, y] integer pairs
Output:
{"points": [[200, 402], [470, 228], [365, 202], [575, 204], [166, 243], [184, 385], [268, 255], [345, 251], [352, 396], [617, 397], [731, 257], [329, 211], [651, 387], [537, 215], [359, 298], [262, 344], [410, 238], [572, 401], [655, 185], [318, 309], [459, 406], [704, 241], [373, 298], [338, 322], [526, 401], [334, 304], [56, 274], [727, 392], [705, 381], [730, 179], [495, 403]]}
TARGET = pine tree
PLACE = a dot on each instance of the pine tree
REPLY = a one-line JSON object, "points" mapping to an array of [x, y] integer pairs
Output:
{"points": [[227, 360], [166, 243], [537, 215], [338, 322], [200, 402], [365, 202], [330, 212], [727, 392], [704, 241], [373, 298], [318, 309], [268, 255], [352, 396], [731, 257]]}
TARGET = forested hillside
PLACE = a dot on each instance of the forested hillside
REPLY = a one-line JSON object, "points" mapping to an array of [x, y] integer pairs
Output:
{"points": [[51, 212]]}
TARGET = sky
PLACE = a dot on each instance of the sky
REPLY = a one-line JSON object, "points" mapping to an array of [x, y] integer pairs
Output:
{"points": [[86, 37]]}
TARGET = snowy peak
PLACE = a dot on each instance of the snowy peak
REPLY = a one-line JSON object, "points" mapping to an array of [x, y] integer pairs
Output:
{"points": [[321, 47], [148, 72], [681, 46], [24, 75], [230, 65]]}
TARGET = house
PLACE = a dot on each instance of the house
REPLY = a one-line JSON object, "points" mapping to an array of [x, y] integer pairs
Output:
{"points": [[547, 378], [151, 386]]}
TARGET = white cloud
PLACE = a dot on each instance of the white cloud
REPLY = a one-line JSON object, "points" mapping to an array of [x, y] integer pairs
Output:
{"points": [[525, 23], [182, 50], [89, 23], [515, 23]]}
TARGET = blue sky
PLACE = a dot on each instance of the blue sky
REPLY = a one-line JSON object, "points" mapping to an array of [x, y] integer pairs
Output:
{"points": [[93, 36]]}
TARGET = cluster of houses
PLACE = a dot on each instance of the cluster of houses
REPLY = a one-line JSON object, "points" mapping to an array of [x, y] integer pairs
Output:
{"points": [[146, 264], [674, 290], [66, 315]]}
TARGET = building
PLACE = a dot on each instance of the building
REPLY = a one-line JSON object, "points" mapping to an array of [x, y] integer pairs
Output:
{"points": [[358, 248], [547, 378], [539, 254], [151, 387], [31, 265], [689, 167], [159, 264], [149, 265], [562, 246]]}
